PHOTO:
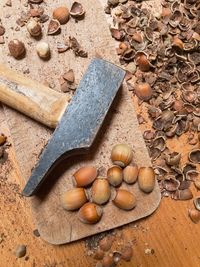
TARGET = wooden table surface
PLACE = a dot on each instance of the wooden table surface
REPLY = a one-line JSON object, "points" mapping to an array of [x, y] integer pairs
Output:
{"points": [[169, 232]]}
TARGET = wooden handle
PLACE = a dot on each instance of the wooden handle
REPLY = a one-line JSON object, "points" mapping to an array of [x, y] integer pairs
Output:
{"points": [[31, 98]]}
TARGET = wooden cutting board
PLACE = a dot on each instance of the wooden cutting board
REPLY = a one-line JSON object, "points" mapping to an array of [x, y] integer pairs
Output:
{"points": [[56, 225]]}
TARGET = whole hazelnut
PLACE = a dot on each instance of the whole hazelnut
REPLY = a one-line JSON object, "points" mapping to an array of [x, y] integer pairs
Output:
{"points": [[34, 27], [16, 48], [61, 14], [43, 50]]}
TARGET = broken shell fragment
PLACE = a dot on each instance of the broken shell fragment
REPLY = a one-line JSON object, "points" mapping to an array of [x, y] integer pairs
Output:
{"points": [[142, 61], [90, 213], [2, 30], [154, 153], [117, 34], [197, 203], [173, 158], [85, 176], [194, 156], [137, 37], [129, 55], [130, 174], [185, 194], [127, 253], [77, 10], [171, 184], [122, 155], [100, 191], [61, 14], [191, 175], [146, 179], [185, 184], [69, 76], [73, 199], [194, 215], [159, 142], [16, 48], [177, 43], [115, 175], [197, 183], [106, 243], [35, 1], [53, 27], [124, 199], [143, 91], [61, 47]]}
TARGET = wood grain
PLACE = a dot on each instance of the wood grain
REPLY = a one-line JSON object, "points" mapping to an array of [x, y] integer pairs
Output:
{"points": [[31, 98], [56, 225], [168, 231]]}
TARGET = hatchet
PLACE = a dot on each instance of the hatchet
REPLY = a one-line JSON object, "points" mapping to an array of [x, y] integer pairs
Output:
{"points": [[76, 124]]}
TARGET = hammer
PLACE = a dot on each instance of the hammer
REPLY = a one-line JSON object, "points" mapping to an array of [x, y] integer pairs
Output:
{"points": [[76, 125]]}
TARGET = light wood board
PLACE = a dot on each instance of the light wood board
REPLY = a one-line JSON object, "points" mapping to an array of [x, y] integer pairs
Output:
{"points": [[56, 225]]}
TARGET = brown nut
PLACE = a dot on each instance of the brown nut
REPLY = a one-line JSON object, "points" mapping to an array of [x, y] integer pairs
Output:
{"points": [[127, 253], [124, 199], [121, 155], [34, 27], [90, 213], [99, 254], [115, 175], [146, 179], [130, 174], [85, 176], [61, 14], [73, 199], [143, 91], [194, 215], [107, 261], [100, 191], [16, 48], [106, 243], [177, 43], [3, 139]]}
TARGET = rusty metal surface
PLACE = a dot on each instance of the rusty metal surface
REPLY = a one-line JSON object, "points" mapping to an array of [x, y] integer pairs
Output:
{"points": [[81, 121]]}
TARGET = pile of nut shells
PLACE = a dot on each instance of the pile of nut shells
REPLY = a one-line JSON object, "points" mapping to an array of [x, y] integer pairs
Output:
{"points": [[161, 55], [89, 201]]}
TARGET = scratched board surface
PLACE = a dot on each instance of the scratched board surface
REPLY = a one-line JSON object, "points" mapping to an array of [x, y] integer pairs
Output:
{"points": [[54, 224]]}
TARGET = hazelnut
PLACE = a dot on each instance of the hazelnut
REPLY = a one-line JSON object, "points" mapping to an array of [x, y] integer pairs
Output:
{"points": [[34, 27], [61, 14], [16, 48], [43, 50]]}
